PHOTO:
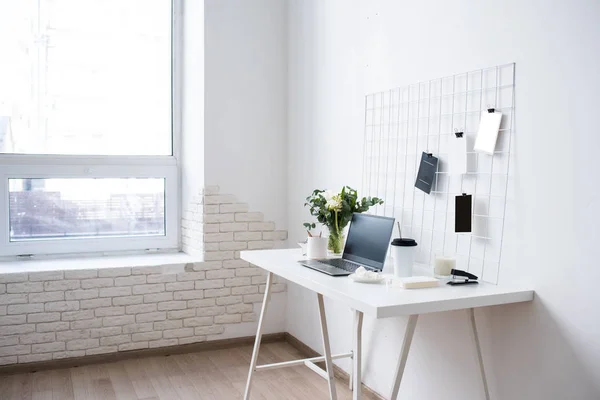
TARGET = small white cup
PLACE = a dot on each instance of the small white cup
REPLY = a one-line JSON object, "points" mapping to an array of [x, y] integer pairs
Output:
{"points": [[316, 247]]}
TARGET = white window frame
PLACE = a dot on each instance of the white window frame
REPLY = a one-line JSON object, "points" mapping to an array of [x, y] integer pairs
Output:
{"points": [[14, 166]]}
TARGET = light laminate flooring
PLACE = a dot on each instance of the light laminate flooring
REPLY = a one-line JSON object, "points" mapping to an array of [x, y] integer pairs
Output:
{"points": [[206, 375]]}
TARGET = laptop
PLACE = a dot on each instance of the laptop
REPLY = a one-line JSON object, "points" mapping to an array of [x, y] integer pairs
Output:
{"points": [[366, 246]]}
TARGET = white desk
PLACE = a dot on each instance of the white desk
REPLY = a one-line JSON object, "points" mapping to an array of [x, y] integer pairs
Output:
{"points": [[380, 301]]}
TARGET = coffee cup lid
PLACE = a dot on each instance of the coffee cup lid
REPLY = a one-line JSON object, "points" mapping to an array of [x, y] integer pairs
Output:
{"points": [[404, 242]]}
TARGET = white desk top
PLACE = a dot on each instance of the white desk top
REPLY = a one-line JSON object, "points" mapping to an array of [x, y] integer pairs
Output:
{"points": [[382, 300]]}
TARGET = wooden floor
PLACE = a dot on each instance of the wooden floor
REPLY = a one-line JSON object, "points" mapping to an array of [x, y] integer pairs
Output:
{"points": [[206, 375]]}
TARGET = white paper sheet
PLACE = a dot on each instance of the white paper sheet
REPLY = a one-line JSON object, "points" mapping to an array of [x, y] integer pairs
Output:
{"points": [[457, 155], [488, 132]]}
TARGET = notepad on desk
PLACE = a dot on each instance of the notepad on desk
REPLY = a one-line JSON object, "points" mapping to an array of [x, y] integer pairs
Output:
{"points": [[417, 282]]}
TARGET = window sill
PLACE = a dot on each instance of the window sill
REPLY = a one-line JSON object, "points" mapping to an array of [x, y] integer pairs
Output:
{"points": [[177, 260]]}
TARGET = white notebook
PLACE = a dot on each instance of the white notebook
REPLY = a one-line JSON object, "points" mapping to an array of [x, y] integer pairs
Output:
{"points": [[488, 132]]}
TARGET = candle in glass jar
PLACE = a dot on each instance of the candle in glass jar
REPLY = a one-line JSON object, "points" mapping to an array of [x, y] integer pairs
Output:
{"points": [[443, 265]]}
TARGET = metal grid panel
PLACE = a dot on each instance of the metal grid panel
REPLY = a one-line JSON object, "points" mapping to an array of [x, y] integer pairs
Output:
{"points": [[402, 123]]}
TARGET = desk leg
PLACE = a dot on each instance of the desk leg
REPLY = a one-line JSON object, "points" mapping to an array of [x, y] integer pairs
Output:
{"points": [[351, 374], [261, 319], [475, 337], [327, 349], [408, 336], [356, 377]]}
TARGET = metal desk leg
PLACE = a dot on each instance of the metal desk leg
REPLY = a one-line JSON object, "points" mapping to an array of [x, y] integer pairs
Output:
{"points": [[408, 336], [261, 320], [355, 379], [327, 349], [351, 373], [475, 337]]}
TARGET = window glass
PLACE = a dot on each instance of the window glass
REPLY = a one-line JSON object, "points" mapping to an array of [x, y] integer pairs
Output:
{"points": [[42, 209], [87, 77]]}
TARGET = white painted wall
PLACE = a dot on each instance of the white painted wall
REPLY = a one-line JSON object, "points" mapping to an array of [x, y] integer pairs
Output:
{"points": [[340, 50], [245, 113], [246, 102]]}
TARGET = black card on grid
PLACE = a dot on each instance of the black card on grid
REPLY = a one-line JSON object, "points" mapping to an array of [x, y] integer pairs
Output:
{"points": [[462, 213], [427, 170]]}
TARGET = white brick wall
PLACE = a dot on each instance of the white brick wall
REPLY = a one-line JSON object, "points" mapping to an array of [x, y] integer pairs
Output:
{"points": [[57, 315]]}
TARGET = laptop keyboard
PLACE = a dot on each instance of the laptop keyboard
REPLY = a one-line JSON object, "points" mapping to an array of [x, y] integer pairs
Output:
{"points": [[343, 264]]}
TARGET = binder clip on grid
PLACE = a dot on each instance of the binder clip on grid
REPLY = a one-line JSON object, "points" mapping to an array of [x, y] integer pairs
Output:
{"points": [[460, 277]]}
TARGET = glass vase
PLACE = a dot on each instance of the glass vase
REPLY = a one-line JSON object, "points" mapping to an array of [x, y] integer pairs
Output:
{"points": [[335, 244]]}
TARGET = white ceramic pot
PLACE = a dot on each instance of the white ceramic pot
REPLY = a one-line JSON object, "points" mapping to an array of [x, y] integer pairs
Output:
{"points": [[316, 247]]}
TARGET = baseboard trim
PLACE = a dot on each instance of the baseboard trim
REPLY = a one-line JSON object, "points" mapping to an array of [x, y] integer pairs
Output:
{"points": [[339, 373], [142, 353]]}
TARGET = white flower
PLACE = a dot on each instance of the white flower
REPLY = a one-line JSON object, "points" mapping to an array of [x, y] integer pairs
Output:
{"points": [[334, 200], [332, 205], [335, 204], [328, 194]]}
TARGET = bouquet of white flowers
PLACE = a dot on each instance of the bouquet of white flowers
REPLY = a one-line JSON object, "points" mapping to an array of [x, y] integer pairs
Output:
{"points": [[334, 210]]}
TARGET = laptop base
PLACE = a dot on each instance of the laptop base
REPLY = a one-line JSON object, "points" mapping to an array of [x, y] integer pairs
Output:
{"points": [[324, 268]]}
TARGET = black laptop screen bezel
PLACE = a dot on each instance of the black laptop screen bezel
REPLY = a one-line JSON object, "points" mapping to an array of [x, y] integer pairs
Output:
{"points": [[366, 261]]}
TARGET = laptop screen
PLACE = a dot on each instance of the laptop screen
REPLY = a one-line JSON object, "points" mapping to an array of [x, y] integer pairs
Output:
{"points": [[368, 240]]}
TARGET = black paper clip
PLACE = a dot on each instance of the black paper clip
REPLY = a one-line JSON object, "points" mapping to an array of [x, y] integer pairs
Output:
{"points": [[491, 109], [465, 278], [429, 154], [458, 133]]}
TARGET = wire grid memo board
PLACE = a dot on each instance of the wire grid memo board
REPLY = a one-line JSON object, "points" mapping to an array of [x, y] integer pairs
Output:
{"points": [[402, 123]]}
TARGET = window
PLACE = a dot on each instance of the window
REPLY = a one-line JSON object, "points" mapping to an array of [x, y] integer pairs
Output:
{"points": [[87, 140]]}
